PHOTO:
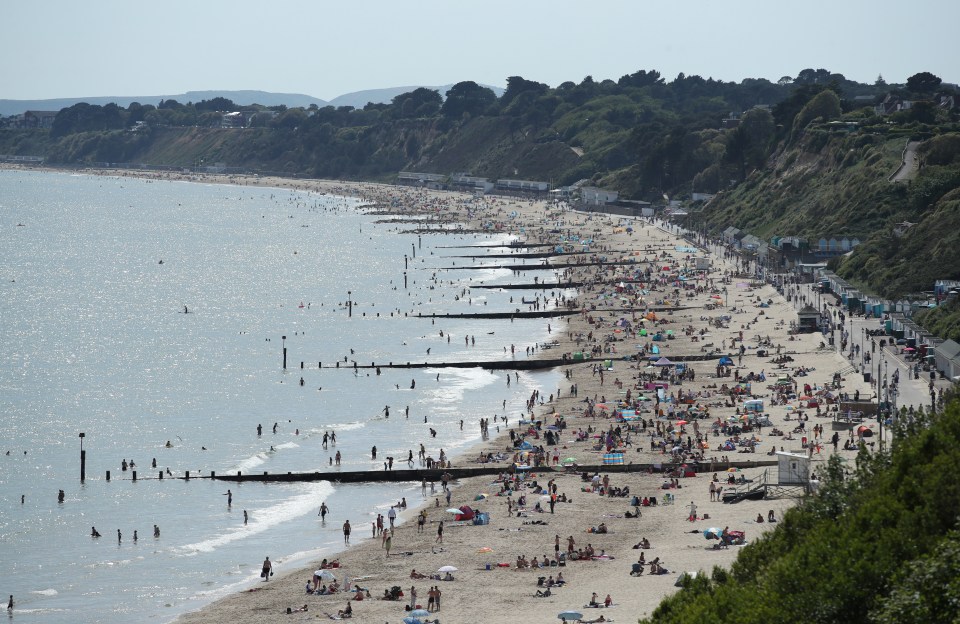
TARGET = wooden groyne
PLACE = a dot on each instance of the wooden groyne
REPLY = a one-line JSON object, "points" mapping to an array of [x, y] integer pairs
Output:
{"points": [[514, 245], [537, 286], [532, 364], [436, 475], [538, 267], [544, 254], [525, 364], [550, 313], [504, 315]]}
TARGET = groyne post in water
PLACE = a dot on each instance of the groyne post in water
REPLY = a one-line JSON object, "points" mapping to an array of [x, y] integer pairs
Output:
{"points": [[108, 476], [83, 459], [284, 342]]}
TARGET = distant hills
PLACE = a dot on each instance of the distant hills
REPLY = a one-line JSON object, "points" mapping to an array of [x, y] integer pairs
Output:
{"points": [[357, 99]]}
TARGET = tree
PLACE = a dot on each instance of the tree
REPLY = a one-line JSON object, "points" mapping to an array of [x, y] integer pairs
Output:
{"points": [[824, 105], [467, 97], [420, 102], [924, 82], [640, 79], [220, 104], [929, 591], [517, 85]]}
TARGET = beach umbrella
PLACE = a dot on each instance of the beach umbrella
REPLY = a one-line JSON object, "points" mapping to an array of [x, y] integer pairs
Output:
{"points": [[412, 620], [570, 615], [569, 460], [447, 568], [681, 422], [419, 613], [325, 575], [454, 511], [713, 533]]}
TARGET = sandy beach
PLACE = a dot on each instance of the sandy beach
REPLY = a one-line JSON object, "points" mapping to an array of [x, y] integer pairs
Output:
{"points": [[611, 323]]}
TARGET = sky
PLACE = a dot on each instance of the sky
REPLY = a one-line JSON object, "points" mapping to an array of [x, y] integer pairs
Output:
{"points": [[66, 48]]}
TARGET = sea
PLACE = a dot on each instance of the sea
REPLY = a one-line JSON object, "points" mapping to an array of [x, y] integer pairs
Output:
{"points": [[146, 320]]}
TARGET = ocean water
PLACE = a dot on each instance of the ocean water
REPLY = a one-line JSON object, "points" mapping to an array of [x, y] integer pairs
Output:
{"points": [[94, 339]]}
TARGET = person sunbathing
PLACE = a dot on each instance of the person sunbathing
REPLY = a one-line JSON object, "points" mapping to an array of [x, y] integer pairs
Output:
{"points": [[417, 575], [593, 600], [347, 612], [544, 593]]}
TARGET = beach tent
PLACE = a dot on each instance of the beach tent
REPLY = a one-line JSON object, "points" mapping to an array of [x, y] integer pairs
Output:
{"points": [[466, 513], [726, 361], [753, 405], [663, 362]]}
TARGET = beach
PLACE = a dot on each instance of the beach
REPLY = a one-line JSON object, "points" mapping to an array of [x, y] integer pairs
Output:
{"points": [[756, 312]]}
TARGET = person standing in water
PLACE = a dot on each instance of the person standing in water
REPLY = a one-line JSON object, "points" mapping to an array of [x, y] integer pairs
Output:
{"points": [[323, 512]]}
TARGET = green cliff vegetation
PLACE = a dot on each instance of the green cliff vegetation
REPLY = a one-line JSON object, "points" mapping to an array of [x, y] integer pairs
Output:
{"points": [[806, 156], [878, 545]]}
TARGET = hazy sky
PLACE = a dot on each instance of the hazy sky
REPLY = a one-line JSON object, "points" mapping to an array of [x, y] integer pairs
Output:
{"points": [[69, 48]]}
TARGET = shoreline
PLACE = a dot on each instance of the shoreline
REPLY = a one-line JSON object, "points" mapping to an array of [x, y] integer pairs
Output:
{"points": [[680, 544]]}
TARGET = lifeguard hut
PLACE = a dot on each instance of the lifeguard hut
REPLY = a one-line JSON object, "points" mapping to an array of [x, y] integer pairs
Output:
{"points": [[793, 475], [793, 479]]}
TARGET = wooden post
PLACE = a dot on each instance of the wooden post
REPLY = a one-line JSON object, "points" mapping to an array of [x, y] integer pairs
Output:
{"points": [[213, 475], [187, 475], [134, 475], [83, 459], [160, 475], [108, 475]]}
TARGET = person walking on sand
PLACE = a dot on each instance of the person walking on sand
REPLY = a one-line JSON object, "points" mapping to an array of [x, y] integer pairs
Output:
{"points": [[267, 570], [440, 533], [346, 532], [693, 512]]}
